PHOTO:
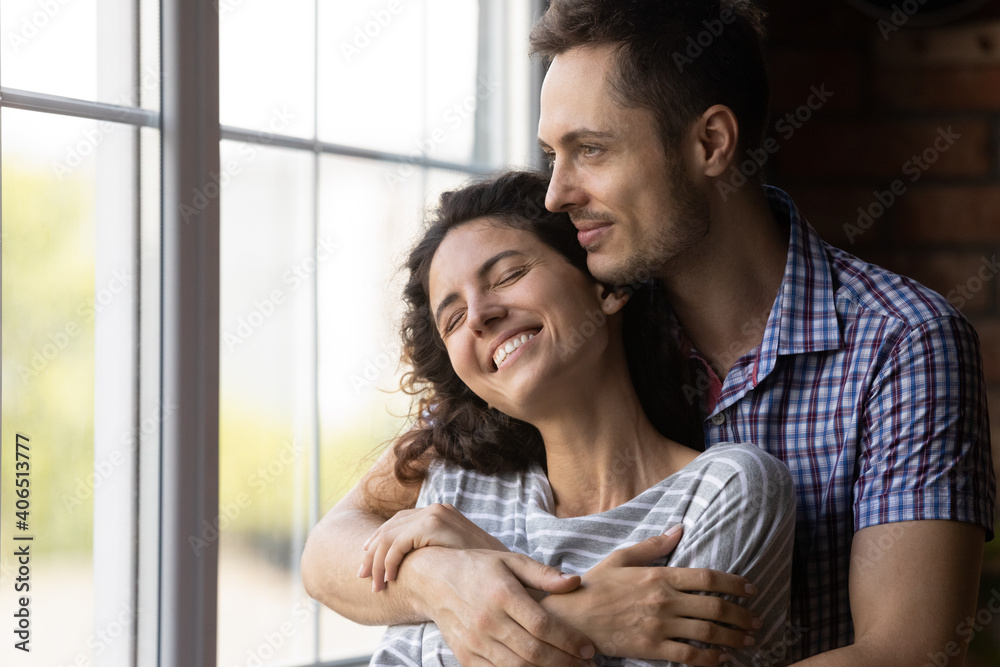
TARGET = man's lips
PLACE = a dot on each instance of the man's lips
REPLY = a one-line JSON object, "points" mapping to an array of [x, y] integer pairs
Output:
{"points": [[590, 233]]}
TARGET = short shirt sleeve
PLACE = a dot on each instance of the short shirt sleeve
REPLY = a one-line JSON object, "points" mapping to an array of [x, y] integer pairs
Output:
{"points": [[925, 448]]}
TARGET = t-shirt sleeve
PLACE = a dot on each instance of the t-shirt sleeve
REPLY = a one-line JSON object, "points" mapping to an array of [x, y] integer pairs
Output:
{"points": [[747, 528], [925, 447]]}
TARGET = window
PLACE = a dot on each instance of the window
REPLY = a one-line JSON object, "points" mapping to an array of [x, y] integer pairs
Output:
{"points": [[340, 123]]}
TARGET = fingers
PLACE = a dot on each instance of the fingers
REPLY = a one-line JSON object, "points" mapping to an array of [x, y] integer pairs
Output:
{"points": [[647, 551], [712, 633], [533, 574], [710, 581], [686, 654], [542, 639], [716, 610]]}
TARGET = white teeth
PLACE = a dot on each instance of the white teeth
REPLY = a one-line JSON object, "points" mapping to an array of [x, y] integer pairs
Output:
{"points": [[504, 350]]}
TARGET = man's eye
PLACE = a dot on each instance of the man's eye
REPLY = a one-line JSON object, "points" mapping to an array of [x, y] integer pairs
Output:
{"points": [[590, 151], [550, 159]]}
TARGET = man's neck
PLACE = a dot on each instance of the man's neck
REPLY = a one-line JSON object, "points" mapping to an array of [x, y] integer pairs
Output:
{"points": [[722, 291]]}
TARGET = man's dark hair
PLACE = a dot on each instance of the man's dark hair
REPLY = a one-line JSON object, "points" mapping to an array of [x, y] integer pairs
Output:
{"points": [[675, 58]]}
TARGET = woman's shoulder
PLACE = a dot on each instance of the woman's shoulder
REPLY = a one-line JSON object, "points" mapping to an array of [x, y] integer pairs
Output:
{"points": [[744, 464], [450, 483]]}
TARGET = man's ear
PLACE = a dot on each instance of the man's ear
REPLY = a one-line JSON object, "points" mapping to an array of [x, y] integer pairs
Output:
{"points": [[613, 299]]}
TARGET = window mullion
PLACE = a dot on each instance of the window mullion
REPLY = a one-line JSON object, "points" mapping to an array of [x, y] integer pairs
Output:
{"points": [[189, 335]]}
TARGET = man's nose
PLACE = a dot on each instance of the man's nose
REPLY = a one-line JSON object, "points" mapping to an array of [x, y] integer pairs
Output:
{"points": [[564, 193]]}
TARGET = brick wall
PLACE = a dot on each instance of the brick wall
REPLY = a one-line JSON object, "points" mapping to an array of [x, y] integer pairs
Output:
{"points": [[913, 109]]}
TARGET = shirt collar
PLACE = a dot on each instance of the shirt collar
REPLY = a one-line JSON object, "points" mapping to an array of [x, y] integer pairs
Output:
{"points": [[804, 315]]}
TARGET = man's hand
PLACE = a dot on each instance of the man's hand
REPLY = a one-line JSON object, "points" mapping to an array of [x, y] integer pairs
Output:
{"points": [[631, 610], [437, 525], [479, 602]]}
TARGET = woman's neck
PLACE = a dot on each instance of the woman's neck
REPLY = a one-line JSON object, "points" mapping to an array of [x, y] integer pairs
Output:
{"points": [[600, 448]]}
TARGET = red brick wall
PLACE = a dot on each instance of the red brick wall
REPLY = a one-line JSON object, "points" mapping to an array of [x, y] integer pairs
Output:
{"points": [[894, 92]]}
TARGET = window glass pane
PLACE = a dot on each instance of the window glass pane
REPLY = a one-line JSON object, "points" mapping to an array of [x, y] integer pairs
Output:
{"points": [[49, 313], [49, 47], [266, 416], [399, 80], [266, 69], [84, 49]]}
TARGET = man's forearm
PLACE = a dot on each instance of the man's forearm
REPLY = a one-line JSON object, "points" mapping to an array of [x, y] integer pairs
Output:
{"points": [[330, 565], [873, 655]]}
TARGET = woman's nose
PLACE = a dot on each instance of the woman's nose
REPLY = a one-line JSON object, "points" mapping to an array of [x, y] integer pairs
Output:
{"points": [[484, 311]]}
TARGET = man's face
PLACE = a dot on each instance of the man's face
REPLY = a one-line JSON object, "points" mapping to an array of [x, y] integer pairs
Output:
{"points": [[635, 207]]}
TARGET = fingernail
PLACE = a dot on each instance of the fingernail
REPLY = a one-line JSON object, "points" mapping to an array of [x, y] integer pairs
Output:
{"points": [[674, 529], [360, 570], [587, 652], [566, 576], [751, 589], [748, 641], [756, 624], [725, 657]]}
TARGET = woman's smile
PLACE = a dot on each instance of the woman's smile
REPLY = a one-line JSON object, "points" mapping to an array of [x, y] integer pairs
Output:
{"points": [[509, 347]]}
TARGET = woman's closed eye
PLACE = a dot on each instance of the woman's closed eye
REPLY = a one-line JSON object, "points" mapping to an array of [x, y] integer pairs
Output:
{"points": [[509, 277], [453, 321]]}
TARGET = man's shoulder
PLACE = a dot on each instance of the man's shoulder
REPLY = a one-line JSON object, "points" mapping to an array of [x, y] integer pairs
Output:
{"points": [[867, 291]]}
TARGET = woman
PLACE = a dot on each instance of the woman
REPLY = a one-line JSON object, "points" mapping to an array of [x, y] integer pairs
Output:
{"points": [[548, 421]]}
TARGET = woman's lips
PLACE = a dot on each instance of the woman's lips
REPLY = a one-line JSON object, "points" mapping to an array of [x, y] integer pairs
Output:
{"points": [[506, 353]]}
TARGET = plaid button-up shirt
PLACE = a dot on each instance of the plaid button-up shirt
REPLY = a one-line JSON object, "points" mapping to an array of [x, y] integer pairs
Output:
{"points": [[869, 387]]}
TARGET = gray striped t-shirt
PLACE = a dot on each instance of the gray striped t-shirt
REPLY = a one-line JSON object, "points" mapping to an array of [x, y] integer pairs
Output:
{"points": [[737, 504]]}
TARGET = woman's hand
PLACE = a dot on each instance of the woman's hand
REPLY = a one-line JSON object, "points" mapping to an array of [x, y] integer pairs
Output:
{"points": [[631, 610], [437, 525]]}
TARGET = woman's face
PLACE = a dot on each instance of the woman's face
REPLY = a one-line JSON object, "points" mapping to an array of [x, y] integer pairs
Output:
{"points": [[516, 318]]}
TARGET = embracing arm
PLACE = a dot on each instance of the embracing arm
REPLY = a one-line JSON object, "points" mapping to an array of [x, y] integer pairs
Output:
{"points": [[925, 464], [477, 597], [913, 590]]}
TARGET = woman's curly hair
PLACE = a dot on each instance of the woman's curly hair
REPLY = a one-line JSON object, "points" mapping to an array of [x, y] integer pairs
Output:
{"points": [[454, 424]]}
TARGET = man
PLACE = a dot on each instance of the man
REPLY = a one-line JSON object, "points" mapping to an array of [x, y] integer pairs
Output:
{"points": [[866, 384]]}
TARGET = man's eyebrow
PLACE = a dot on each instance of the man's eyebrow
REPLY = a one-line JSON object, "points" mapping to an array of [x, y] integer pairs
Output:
{"points": [[574, 136], [480, 274]]}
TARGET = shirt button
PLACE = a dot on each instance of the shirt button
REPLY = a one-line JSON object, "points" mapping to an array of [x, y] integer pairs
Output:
{"points": [[719, 419]]}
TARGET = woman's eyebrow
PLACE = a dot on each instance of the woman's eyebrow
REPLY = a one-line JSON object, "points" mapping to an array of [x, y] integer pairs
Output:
{"points": [[480, 274]]}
